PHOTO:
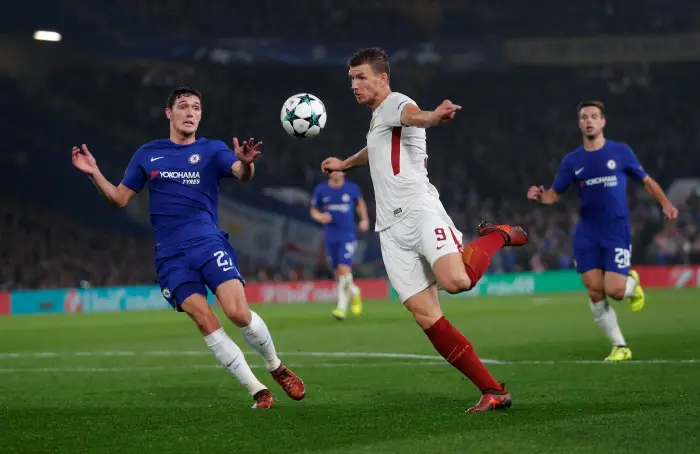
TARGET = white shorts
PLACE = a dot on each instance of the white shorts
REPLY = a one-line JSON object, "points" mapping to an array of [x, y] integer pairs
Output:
{"points": [[411, 247]]}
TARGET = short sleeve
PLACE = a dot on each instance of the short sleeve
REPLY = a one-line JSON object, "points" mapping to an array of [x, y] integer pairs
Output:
{"points": [[564, 176], [135, 175], [631, 164], [392, 111], [225, 157], [316, 198], [357, 194]]}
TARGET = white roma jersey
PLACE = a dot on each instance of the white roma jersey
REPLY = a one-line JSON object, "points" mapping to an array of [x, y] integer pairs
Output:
{"points": [[397, 162]]}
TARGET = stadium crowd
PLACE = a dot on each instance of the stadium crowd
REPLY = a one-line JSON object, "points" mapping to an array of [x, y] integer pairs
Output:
{"points": [[511, 136], [516, 125]]}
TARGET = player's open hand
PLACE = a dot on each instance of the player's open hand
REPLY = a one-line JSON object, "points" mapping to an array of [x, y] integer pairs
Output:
{"points": [[246, 151], [670, 212], [84, 161], [330, 165], [535, 193], [325, 218], [445, 111]]}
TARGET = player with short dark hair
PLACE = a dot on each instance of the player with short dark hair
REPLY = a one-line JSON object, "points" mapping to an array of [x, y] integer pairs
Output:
{"points": [[600, 169], [191, 253], [334, 204], [421, 246]]}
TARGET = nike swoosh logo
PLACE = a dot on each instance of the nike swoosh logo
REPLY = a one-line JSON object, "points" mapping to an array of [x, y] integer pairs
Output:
{"points": [[229, 268], [578, 171], [440, 247], [155, 159]]}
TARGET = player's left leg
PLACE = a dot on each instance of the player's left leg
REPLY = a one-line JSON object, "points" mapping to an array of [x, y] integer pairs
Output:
{"points": [[346, 283], [222, 276], [456, 349], [458, 268], [620, 281], [604, 315], [334, 254], [412, 278]]}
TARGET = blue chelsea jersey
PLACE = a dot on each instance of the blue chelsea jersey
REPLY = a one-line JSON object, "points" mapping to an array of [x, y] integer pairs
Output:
{"points": [[184, 186]]}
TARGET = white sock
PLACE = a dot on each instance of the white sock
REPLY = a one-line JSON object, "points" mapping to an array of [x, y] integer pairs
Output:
{"points": [[352, 288], [342, 294], [258, 336], [605, 317], [228, 354], [630, 286]]}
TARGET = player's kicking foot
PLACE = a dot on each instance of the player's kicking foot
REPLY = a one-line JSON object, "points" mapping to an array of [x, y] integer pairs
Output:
{"points": [[619, 354], [514, 235], [637, 298], [338, 314], [494, 400], [263, 399], [288, 380], [356, 303]]}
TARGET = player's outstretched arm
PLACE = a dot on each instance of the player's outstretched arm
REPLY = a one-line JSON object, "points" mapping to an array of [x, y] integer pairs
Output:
{"points": [[117, 196], [359, 159], [247, 153], [319, 216], [413, 116], [543, 196], [653, 188]]}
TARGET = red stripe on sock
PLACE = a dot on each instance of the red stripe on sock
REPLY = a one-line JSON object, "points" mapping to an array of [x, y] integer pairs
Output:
{"points": [[459, 352]]}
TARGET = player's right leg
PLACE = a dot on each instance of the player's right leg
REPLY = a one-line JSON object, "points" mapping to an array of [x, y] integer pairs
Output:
{"points": [[414, 281], [334, 254], [458, 268], [222, 276], [347, 290], [620, 281], [590, 263], [189, 298], [604, 315]]}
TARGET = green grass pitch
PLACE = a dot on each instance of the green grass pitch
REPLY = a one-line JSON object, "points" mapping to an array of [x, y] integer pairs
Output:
{"points": [[145, 382]]}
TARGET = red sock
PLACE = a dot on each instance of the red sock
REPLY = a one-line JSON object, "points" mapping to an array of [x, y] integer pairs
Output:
{"points": [[459, 352], [477, 255]]}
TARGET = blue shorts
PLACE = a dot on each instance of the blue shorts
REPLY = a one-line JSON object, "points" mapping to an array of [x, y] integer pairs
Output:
{"points": [[189, 268], [606, 246], [341, 251]]}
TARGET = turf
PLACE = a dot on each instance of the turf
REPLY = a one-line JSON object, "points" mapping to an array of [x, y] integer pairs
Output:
{"points": [[144, 381]]}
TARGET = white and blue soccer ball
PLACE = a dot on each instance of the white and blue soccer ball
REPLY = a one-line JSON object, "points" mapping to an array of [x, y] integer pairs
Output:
{"points": [[303, 116]]}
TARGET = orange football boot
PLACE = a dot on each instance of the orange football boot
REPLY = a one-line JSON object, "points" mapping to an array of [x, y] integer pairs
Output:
{"points": [[514, 235], [288, 380]]}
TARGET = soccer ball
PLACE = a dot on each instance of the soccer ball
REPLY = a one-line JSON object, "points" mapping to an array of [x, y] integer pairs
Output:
{"points": [[303, 116]]}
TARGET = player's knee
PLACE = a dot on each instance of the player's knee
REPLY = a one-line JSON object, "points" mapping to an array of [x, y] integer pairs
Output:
{"points": [[615, 292], [232, 300], [424, 307], [596, 294], [197, 307], [456, 284], [239, 315]]}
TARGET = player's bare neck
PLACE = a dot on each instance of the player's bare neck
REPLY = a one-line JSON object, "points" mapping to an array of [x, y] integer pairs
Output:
{"points": [[336, 184], [182, 139], [593, 143], [380, 99]]}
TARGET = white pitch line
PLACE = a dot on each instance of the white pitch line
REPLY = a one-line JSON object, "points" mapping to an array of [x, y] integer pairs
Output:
{"points": [[584, 361], [199, 366], [19, 355], [433, 359]]}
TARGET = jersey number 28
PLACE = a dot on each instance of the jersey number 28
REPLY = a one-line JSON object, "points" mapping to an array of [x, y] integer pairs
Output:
{"points": [[622, 257]]}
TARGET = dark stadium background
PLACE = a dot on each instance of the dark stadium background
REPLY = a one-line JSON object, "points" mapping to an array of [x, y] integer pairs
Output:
{"points": [[106, 81]]}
